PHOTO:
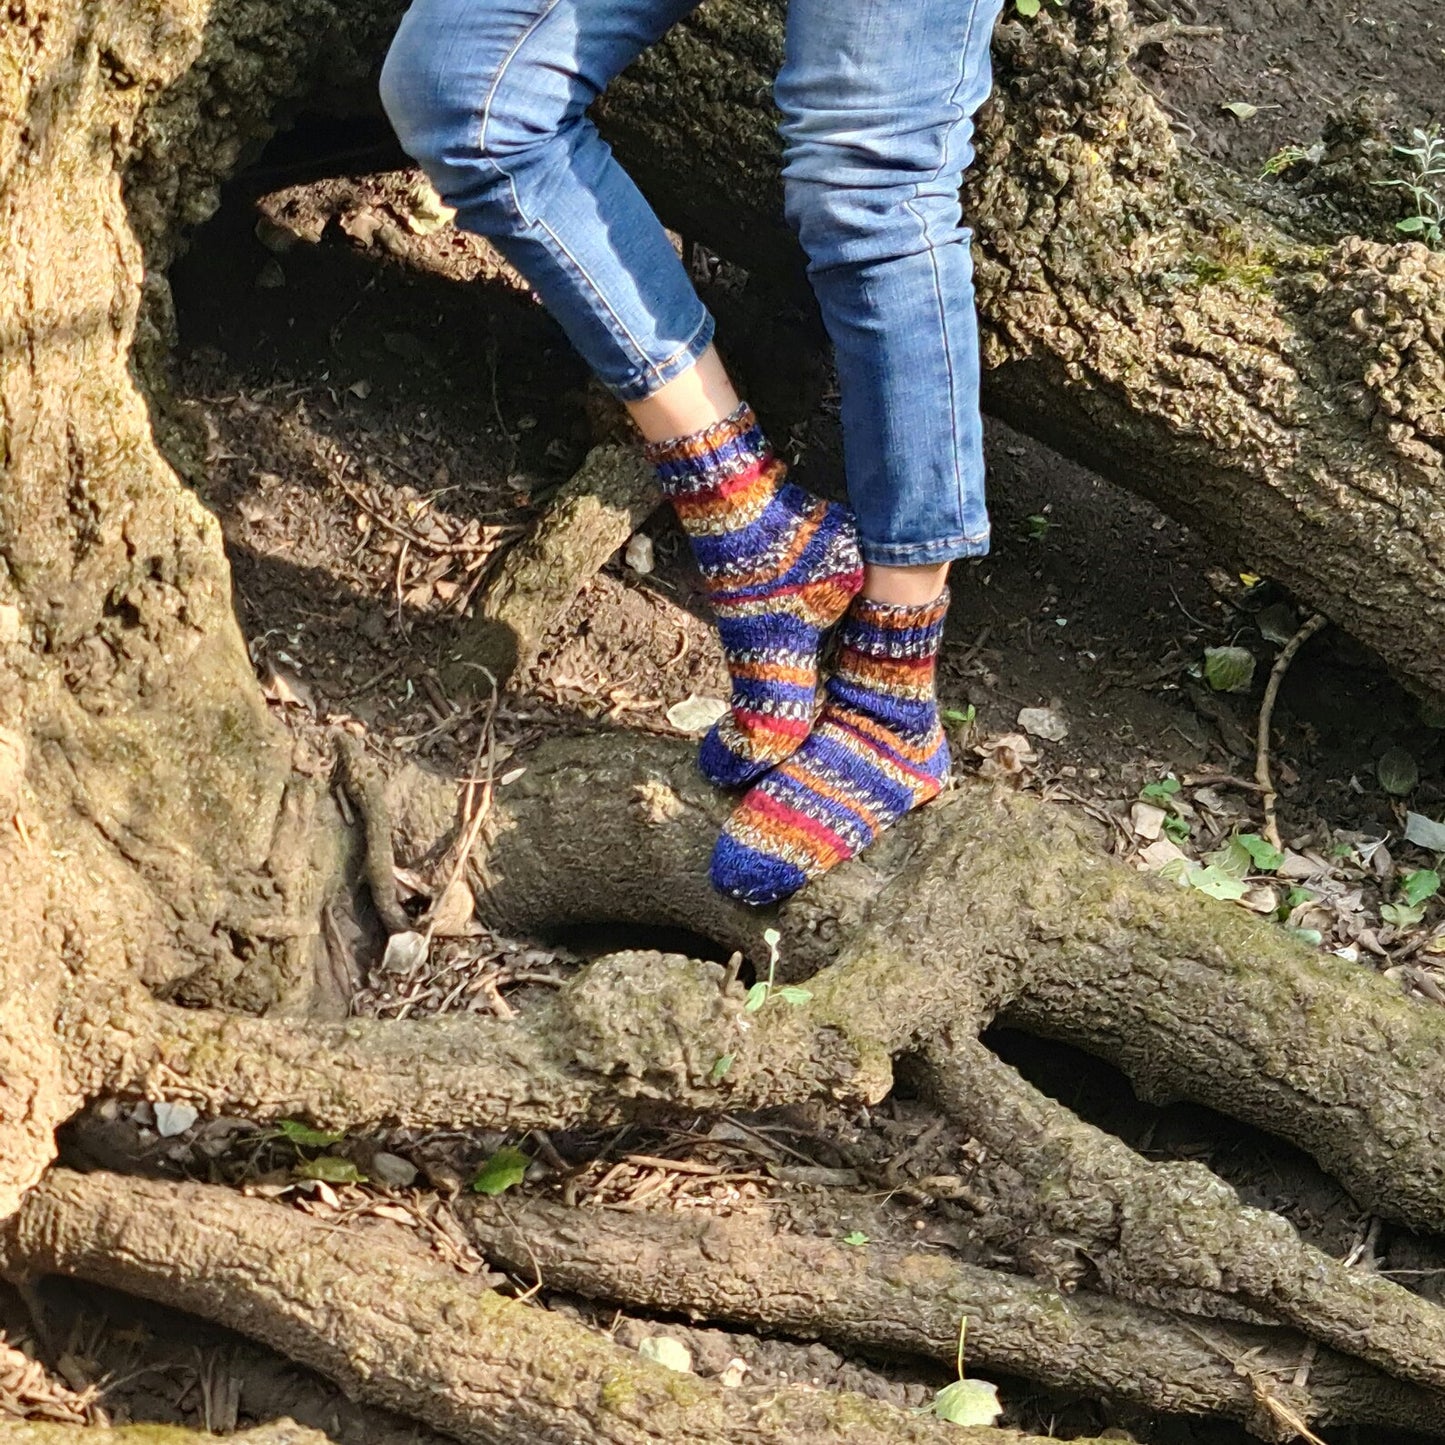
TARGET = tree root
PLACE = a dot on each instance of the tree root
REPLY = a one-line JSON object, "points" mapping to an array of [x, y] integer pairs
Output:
{"points": [[876, 1296], [396, 1328], [1177, 1227], [611, 495], [278, 1432], [1045, 934]]}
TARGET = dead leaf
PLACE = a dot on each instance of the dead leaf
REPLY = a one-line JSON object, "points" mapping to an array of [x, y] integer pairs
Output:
{"points": [[1147, 821], [404, 951], [288, 689], [451, 914], [1005, 756], [696, 714], [1161, 853]]}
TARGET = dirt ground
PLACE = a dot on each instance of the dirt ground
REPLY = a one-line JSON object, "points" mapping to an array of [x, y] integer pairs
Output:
{"points": [[385, 410]]}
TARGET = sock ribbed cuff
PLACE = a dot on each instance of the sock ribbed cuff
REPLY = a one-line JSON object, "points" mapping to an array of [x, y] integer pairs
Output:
{"points": [[705, 458]]}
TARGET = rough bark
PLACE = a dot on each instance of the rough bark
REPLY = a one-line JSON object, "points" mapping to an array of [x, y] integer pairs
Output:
{"points": [[394, 1327], [1211, 344], [877, 1295], [279, 1432]]}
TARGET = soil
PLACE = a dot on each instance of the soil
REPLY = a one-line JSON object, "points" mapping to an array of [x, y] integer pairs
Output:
{"points": [[1300, 62], [383, 408]]}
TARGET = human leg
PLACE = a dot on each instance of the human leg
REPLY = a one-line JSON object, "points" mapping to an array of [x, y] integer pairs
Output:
{"points": [[491, 100], [877, 105]]}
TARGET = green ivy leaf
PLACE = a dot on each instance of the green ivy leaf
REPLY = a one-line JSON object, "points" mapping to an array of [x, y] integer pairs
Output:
{"points": [[1159, 793], [1215, 883], [1416, 887], [968, 1402], [306, 1136], [508, 1166], [331, 1168], [1402, 915], [1262, 853], [1232, 859]]}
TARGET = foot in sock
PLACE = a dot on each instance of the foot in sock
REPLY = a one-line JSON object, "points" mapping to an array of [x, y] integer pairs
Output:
{"points": [[780, 568], [876, 753]]}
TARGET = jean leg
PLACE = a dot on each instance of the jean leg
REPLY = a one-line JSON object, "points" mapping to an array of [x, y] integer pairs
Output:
{"points": [[877, 103], [490, 98]]}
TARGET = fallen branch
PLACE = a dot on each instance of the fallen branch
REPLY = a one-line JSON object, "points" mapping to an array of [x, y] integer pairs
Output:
{"points": [[396, 1328], [1266, 718], [882, 1297], [593, 515]]}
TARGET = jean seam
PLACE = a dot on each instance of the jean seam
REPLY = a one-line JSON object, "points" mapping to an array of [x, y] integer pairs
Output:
{"points": [[638, 357], [933, 254]]}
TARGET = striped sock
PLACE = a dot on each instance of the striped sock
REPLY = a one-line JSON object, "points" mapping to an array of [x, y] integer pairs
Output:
{"points": [[876, 753], [780, 567]]}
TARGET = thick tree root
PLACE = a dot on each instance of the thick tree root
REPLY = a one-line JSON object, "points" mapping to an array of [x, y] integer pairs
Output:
{"points": [[279, 1432], [395, 1328], [611, 495], [1177, 1227], [876, 1296], [1043, 932]]}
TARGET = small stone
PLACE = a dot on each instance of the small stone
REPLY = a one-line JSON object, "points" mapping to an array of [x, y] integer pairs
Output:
{"points": [[9, 623], [1045, 723], [393, 1171], [173, 1119], [638, 555], [671, 1354]]}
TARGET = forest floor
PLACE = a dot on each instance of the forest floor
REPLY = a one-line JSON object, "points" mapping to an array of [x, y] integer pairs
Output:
{"points": [[386, 409]]}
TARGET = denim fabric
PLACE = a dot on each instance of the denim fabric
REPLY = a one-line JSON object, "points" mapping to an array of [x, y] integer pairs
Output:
{"points": [[490, 98]]}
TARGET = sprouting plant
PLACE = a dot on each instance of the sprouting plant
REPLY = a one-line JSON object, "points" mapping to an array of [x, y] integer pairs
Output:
{"points": [[1029, 8], [764, 989], [1425, 187], [1037, 526]]}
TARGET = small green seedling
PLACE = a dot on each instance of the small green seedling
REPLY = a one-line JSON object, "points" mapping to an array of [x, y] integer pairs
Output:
{"points": [[762, 991], [857, 1239]]}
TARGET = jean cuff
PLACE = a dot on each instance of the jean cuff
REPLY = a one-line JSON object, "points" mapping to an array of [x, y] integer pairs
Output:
{"points": [[923, 554], [658, 374]]}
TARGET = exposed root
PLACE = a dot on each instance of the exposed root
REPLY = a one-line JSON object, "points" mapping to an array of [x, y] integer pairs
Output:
{"points": [[396, 1328], [1266, 717], [366, 787], [279, 1432], [1146, 1227], [881, 1297], [611, 495]]}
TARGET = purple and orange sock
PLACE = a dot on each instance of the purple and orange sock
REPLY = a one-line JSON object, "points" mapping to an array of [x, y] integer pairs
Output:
{"points": [[780, 568], [876, 753]]}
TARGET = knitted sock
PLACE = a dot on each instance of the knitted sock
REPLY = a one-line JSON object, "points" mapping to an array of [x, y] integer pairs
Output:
{"points": [[876, 753], [780, 567]]}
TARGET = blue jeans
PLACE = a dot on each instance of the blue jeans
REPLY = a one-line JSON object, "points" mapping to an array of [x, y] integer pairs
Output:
{"points": [[877, 99]]}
